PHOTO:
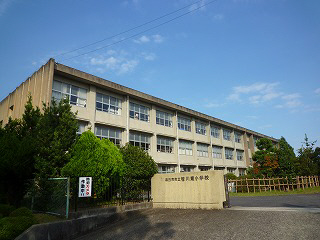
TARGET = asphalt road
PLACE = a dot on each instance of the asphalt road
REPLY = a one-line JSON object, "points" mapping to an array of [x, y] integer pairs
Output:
{"points": [[287, 201], [212, 224]]}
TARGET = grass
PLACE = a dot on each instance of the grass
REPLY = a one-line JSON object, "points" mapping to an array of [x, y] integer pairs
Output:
{"points": [[277, 193]]}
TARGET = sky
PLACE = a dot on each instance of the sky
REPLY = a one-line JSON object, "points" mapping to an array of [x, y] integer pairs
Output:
{"points": [[253, 63]]}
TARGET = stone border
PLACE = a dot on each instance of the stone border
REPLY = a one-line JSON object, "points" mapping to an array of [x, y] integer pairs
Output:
{"points": [[81, 223]]}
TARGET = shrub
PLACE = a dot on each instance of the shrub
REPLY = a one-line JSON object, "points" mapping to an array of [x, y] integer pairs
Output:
{"points": [[19, 212], [5, 209], [11, 227], [231, 176]]}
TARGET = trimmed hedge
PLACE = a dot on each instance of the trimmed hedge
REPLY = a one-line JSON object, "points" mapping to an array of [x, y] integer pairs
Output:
{"points": [[5, 209], [11, 227], [21, 212]]}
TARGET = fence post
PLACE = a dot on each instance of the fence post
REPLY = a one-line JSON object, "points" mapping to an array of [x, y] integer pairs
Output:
{"points": [[259, 184], [247, 185], [68, 198]]}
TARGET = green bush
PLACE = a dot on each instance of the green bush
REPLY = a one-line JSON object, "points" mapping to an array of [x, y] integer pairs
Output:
{"points": [[5, 209], [19, 212], [231, 176], [11, 227]]}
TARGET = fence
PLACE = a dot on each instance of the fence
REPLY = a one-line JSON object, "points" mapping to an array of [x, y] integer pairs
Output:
{"points": [[269, 184], [60, 195]]}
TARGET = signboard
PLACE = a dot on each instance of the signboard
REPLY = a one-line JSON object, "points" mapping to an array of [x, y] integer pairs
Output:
{"points": [[85, 184]]}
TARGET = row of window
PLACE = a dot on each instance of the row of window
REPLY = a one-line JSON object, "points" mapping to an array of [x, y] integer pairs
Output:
{"points": [[163, 144], [171, 169], [78, 96]]}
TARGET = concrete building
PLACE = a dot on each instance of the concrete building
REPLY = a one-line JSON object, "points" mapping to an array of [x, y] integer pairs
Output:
{"points": [[179, 139]]}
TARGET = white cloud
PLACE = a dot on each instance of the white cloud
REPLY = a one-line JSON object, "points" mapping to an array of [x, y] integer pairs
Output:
{"points": [[149, 56], [157, 38], [119, 64], [262, 92], [142, 39], [317, 91], [4, 4], [199, 5], [259, 93]]}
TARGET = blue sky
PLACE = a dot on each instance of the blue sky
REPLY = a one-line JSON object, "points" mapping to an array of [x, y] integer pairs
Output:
{"points": [[254, 63]]}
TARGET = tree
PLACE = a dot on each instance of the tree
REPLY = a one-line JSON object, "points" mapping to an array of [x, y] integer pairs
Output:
{"points": [[139, 168], [307, 162], [17, 150], [287, 159], [92, 157], [57, 133], [266, 159]]}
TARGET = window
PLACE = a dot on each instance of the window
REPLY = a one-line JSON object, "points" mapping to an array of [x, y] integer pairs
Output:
{"points": [[251, 161], [202, 168], [184, 124], [185, 148], [216, 152], [164, 145], [201, 128], [242, 172], [186, 169], [229, 153], [81, 128], [202, 150], [237, 137], [114, 135], [231, 170], [165, 169], [248, 144], [108, 104], [226, 134], [164, 119], [255, 139], [140, 140], [139, 112], [215, 132], [239, 155], [77, 96]]}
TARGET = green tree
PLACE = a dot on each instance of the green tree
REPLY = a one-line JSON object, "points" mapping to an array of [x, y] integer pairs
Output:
{"points": [[287, 159], [92, 157], [307, 162], [139, 168], [17, 150], [57, 133], [266, 159]]}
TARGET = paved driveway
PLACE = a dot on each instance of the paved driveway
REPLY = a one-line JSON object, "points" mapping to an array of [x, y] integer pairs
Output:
{"points": [[212, 224], [287, 201]]}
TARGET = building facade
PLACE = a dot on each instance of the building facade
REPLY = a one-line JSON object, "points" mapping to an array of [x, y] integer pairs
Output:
{"points": [[179, 139]]}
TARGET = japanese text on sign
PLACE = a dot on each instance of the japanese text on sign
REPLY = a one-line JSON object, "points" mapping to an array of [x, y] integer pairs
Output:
{"points": [[188, 178], [85, 186]]}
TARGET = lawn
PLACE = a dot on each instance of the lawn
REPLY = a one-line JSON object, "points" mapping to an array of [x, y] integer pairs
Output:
{"points": [[276, 192]]}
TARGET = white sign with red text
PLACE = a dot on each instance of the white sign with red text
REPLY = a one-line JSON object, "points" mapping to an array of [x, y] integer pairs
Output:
{"points": [[85, 184]]}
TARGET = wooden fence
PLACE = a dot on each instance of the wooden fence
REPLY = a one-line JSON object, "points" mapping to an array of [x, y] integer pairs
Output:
{"points": [[269, 184]]}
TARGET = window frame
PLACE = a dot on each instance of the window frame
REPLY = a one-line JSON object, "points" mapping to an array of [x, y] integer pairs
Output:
{"points": [[202, 150], [215, 131], [227, 155], [167, 147], [136, 139], [201, 128], [227, 134], [116, 138], [240, 155], [237, 137], [70, 89], [184, 146], [106, 106], [184, 124], [166, 120], [217, 154], [139, 112]]}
